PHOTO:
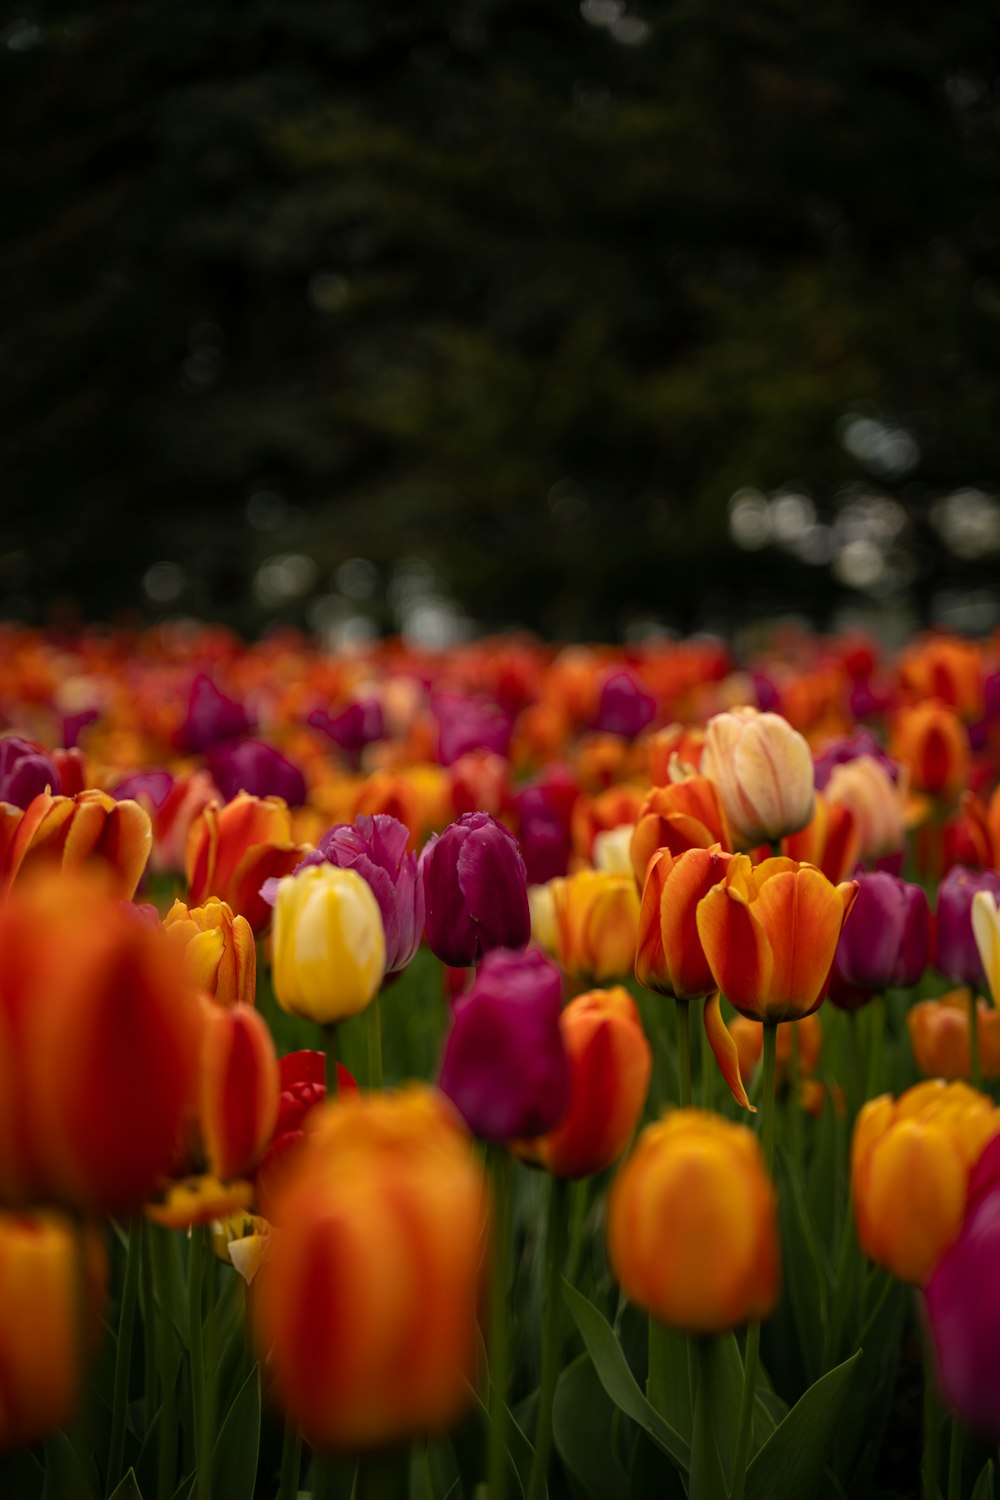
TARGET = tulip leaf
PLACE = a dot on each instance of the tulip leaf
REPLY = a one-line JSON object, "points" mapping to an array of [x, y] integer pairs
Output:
{"points": [[518, 1448], [581, 1425], [668, 1385], [616, 1377], [791, 1462], [128, 1489], [234, 1462], [807, 1271], [984, 1484], [67, 1475]]}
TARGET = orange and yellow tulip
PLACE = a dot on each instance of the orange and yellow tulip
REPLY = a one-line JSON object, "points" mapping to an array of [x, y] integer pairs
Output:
{"points": [[931, 741], [239, 1089], [67, 832], [683, 815], [233, 849], [596, 921], [218, 947]]}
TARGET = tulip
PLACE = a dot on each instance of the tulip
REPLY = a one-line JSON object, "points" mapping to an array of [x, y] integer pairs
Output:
{"points": [[669, 956], [366, 1306], [468, 724], [376, 848], [956, 953], [232, 850], [596, 918], [475, 891], [610, 1061], [948, 669], [254, 767], [218, 947], [843, 751], [986, 931], [612, 808], [211, 717], [624, 708], [684, 815], [831, 841], [239, 1089], [963, 1305], [932, 742], [41, 1291], [25, 770], [910, 1164], [692, 1224], [886, 943], [302, 1078], [479, 782], [876, 801], [612, 851], [354, 727], [185, 799], [544, 812], [328, 944], [67, 832], [505, 1065], [764, 773], [940, 1036]]}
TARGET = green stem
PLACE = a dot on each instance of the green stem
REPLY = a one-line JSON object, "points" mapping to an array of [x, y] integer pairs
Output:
{"points": [[856, 1066], [291, 1462], [374, 1025], [149, 1322], [931, 1461], [200, 1386], [955, 1461], [877, 1034], [123, 1358], [500, 1314], [682, 1015], [330, 1048], [795, 1101], [745, 1426], [975, 1072], [555, 1246], [163, 1253]]}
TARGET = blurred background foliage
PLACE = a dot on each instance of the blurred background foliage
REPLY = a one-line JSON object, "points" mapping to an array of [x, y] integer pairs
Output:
{"points": [[594, 318]]}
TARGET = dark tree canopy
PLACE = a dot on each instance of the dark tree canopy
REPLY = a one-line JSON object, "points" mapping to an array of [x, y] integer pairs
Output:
{"points": [[529, 289]]}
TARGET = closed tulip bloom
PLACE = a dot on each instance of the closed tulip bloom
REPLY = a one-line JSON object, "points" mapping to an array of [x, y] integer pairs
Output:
{"points": [[67, 832], [962, 1299], [41, 1291], [233, 850], [610, 1061], [886, 943], [255, 767], [218, 948], [239, 1089], [956, 952], [864, 788], [670, 959], [596, 922], [764, 772], [939, 1036], [328, 944], [831, 841], [624, 708], [770, 932], [505, 1066], [366, 1307], [475, 891], [685, 814], [211, 717], [692, 1225], [931, 741], [910, 1164]]}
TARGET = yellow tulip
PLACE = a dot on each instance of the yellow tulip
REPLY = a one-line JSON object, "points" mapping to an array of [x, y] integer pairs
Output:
{"points": [[329, 944]]}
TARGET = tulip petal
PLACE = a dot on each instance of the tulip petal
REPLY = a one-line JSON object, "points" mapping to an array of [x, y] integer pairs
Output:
{"points": [[802, 914], [723, 1044], [986, 929], [737, 949]]}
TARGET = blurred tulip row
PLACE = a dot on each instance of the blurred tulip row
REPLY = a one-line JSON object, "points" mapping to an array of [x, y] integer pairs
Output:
{"points": [[517, 1071]]}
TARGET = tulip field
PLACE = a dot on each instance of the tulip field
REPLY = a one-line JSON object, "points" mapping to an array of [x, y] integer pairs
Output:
{"points": [[512, 1071]]}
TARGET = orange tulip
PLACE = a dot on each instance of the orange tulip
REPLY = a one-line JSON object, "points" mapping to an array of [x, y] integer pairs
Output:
{"points": [[831, 841], [67, 832], [763, 769], [239, 1089], [233, 849], [191, 792], [218, 949], [931, 741], [939, 1036], [684, 815], [596, 920], [610, 1062], [670, 959], [910, 1163], [366, 1305], [692, 1224], [662, 745], [948, 669], [593, 815]]}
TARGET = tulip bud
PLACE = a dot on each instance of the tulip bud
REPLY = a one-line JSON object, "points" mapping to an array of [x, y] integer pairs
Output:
{"points": [[219, 953], [596, 921], [692, 1224], [764, 772], [669, 957], [910, 1164], [211, 717], [931, 741], [239, 1091], [610, 1061], [956, 953], [328, 944], [505, 1066], [475, 891], [255, 767], [885, 944], [366, 1306], [940, 1031]]}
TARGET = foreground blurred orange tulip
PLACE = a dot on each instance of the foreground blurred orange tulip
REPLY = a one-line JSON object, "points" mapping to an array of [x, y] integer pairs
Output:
{"points": [[692, 1224], [764, 771], [67, 832], [42, 1284], [366, 1306], [218, 949], [910, 1164], [610, 1062], [232, 850]]}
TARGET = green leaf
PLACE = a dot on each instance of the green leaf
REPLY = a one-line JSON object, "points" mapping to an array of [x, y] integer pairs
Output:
{"points": [[234, 1462], [519, 1449], [983, 1489], [67, 1475], [581, 1425], [128, 1489], [807, 1271], [791, 1462], [616, 1377]]}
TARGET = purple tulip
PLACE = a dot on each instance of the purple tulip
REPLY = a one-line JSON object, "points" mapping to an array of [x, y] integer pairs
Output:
{"points": [[376, 848], [25, 770], [475, 890], [543, 825], [152, 786], [505, 1066], [956, 954], [469, 724], [768, 697], [885, 942], [357, 725], [211, 717], [251, 766], [863, 742], [624, 708], [73, 725], [962, 1300]]}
